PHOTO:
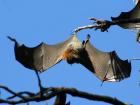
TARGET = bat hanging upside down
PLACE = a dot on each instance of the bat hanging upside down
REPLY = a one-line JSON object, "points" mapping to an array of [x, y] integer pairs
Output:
{"points": [[107, 66]]}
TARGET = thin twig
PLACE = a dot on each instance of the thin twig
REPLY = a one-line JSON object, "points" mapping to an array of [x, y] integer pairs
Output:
{"points": [[30, 94], [39, 83], [12, 92]]}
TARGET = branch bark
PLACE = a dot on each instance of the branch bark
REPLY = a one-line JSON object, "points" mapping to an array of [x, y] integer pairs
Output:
{"points": [[51, 92], [60, 99]]}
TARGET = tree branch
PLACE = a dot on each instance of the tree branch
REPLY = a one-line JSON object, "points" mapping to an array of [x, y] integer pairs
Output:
{"points": [[51, 92], [60, 99], [12, 92]]}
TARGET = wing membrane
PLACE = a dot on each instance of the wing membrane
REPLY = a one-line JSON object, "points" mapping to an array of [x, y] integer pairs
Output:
{"points": [[42, 56], [107, 66], [132, 15]]}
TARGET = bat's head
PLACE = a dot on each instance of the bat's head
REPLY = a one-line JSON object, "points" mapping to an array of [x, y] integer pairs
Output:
{"points": [[72, 54], [76, 50], [72, 51]]}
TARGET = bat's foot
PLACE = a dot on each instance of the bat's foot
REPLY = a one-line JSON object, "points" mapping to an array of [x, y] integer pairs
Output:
{"points": [[103, 25]]}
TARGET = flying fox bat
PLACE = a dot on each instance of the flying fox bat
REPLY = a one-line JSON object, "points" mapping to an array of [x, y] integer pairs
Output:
{"points": [[107, 66], [130, 20], [132, 16]]}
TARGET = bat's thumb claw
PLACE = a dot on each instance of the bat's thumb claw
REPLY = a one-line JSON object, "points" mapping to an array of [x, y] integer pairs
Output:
{"points": [[12, 39]]}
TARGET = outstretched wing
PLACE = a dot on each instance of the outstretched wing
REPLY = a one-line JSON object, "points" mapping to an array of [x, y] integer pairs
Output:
{"points": [[133, 16], [107, 66], [43, 56]]}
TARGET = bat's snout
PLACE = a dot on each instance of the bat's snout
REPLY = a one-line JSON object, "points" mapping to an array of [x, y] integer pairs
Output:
{"points": [[70, 55]]}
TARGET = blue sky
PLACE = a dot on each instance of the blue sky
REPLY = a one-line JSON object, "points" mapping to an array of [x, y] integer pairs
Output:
{"points": [[52, 21]]}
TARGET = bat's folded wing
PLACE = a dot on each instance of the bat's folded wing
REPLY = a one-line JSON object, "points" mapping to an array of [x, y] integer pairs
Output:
{"points": [[107, 66]]}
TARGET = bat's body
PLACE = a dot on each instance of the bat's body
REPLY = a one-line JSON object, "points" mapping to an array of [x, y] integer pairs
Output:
{"points": [[107, 66]]}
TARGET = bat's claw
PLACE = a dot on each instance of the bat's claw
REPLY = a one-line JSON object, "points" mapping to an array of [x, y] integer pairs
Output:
{"points": [[12, 39], [103, 25]]}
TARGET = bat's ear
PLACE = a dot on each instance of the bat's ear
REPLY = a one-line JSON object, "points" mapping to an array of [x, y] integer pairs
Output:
{"points": [[83, 42], [88, 37], [86, 41]]}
